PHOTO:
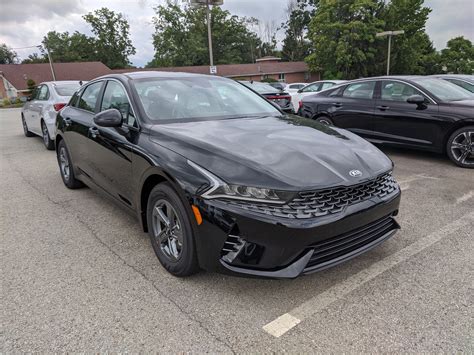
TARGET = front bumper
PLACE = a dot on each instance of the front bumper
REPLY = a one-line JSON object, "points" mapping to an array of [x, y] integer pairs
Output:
{"points": [[235, 241]]}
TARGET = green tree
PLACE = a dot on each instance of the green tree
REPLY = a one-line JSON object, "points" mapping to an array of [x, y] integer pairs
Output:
{"points": [[295, 44], [112, 41], [180, 37], [458, 56], [31, 85], [7, 55], [35, 58], [342, 33], [413, 51], [64, 47]]}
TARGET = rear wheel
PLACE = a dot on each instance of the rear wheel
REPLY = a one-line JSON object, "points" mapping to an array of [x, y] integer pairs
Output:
{"points": [[325, 120], [460, 147], [48, 143], [170, 231], [65, 167], [25, 127]]}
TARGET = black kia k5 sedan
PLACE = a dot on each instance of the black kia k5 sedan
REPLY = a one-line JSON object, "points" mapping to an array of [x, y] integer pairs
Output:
{"points": [[223, 180], [411, 111]]}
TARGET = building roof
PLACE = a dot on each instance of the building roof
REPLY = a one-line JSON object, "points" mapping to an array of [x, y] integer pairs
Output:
{"points": [[233, 70], [18, 74]]}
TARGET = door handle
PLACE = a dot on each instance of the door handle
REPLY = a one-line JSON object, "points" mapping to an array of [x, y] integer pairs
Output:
{"points": [[337, 104], [383, 107], [94, 132], [67, 121]]}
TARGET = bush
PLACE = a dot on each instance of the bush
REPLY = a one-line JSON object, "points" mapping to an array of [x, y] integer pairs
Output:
{"points": [[269, 80], [6, 101], [18, 101]]}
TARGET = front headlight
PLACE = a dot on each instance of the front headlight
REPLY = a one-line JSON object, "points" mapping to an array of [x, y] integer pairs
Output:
{"points": [[220, 189]]}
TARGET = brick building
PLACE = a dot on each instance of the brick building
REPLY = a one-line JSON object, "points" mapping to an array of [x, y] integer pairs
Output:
{"points": [[14, 77]]}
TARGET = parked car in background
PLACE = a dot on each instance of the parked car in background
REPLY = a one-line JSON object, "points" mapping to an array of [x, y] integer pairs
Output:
{"points": [[281, 98], [278, 85], [310, 89], [294, 87], [462, 80], [221, 179], [38, 115], [410, 111]]}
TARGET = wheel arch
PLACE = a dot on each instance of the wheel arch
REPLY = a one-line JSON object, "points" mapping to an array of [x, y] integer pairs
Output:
{"points": [[457, 125]]}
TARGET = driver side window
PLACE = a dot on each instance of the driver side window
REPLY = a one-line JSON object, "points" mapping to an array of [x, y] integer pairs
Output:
{"points": [[397, 91], [116, 97]]}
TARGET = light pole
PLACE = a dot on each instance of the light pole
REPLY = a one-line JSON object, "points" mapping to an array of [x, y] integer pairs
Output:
{"points": [[389, 34], [208, 3]]}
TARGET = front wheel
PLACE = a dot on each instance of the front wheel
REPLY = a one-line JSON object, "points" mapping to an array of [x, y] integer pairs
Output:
{"points": [[48, 143], [170, 231], [25, 127], [460, 147], [65, 167], [325, 120]]}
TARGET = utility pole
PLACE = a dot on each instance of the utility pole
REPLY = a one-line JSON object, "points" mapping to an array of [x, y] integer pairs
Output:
{"points": [[50, 62], [389, 34], [209, 35]]}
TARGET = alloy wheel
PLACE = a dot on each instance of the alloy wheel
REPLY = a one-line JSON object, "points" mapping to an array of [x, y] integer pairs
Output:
{"points": [[167, 230], [64, 163], [45, 133], [25, 128], [462, 147]]}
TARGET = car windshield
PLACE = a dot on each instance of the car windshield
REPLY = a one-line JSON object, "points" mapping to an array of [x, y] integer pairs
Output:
{"points": [[261, 88], [66, 89], [443, 89], [190, 98]]}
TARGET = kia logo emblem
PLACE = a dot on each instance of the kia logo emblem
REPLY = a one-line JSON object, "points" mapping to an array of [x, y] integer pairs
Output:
{"points": [[355, 173]]}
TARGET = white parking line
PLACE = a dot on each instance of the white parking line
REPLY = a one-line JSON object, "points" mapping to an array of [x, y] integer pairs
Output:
{"points": [[404, 184], [465, 197], [287, 321]]}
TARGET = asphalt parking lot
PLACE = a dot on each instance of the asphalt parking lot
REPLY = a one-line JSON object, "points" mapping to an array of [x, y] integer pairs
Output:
{"points": [[79, 275]]}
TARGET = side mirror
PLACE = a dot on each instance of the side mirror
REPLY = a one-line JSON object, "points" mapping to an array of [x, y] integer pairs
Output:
{"points": [[109, 118], [416, 99], [300, 91]]}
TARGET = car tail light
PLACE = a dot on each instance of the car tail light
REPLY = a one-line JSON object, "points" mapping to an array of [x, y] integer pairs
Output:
{"points": [[276, 97], [300, 104], [57, 107]]}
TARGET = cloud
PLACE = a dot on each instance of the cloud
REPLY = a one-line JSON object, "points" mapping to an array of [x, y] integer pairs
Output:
{"points": [[22, 11]]}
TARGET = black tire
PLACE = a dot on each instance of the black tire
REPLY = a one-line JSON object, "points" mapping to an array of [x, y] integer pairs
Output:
{"points": [[325, 120], [460, 147], [48, 142], [177, 235], [69, 179], [25, 127]]}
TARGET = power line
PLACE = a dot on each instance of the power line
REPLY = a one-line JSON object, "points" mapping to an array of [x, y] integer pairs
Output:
{"points": [[27, 47]]}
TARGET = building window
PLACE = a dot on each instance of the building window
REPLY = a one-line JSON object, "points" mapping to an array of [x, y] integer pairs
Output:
{"points": [[281, 77], [266, 76]]}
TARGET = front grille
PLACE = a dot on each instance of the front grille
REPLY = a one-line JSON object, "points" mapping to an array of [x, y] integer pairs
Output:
{"points": [[309, 204], [334, 250]]}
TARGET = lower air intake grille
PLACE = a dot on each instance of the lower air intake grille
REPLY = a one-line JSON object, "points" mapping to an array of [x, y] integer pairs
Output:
{"points": [[334, 250]]}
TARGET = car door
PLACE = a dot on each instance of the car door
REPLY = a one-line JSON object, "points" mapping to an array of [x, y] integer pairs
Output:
{"points": [[27, 107], [110, 148], [352, 107], [35, 109], [300, 94], [78, 119], [400, 122]]}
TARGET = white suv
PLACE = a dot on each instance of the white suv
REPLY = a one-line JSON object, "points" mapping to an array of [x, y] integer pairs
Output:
{"points": [[38, 115]]}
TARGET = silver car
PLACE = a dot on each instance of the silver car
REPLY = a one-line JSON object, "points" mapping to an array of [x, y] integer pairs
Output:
{"points": [[38, 115]]}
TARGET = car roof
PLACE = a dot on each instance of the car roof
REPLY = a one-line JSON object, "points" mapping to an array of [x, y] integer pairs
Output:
{"points": [[62, 82]]}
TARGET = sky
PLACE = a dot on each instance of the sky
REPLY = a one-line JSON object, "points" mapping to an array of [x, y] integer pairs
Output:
{"points": [[25, 22]]}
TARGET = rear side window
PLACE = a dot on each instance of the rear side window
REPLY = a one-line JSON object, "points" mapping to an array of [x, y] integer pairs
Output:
{"points": [[66, 89], [90, 96], [363, 90], [327, 86]]}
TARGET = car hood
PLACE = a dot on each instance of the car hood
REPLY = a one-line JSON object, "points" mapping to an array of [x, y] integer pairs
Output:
{"points": [[465, 103], [287, 152]]}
